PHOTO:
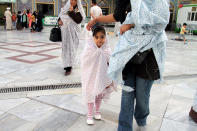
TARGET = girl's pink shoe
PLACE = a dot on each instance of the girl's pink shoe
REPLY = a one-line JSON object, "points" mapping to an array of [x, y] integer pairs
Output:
{"points": [[97, 116], [90, 121]]}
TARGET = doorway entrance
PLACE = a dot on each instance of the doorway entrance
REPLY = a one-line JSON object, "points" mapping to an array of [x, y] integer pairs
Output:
{"points": [[3, 7], [105, 11], [46, 9]]}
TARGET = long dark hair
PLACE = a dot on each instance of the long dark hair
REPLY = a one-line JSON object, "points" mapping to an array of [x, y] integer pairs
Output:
{"points": [[34, 13], [28, 11], [19, 12], [99, 29], [94, 2]]}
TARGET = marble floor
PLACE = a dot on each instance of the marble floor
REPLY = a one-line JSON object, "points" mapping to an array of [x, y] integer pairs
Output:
{"points": [[28, 59], [170, 103]]}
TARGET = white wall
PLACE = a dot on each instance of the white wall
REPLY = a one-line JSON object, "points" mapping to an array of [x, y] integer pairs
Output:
{"points": [[183, 14]]}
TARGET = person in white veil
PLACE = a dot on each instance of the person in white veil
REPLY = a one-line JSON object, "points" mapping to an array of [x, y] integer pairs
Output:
{"points": [[70, 17], [8, 17]]}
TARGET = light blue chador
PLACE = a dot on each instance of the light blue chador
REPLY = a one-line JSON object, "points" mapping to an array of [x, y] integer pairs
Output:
{"points": [[150, 18]]}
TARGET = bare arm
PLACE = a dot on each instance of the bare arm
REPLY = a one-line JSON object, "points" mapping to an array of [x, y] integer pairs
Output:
{"points": [[106, 19], [101, 19]]}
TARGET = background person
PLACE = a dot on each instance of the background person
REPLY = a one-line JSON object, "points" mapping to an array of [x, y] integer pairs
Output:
{"points": [[70, 17], [14, 18], [19, 21], [95, 11], [33, 20], [39, 23], [24, 20], [183, 32], [8, 17], [29, 18], [96, 85]]}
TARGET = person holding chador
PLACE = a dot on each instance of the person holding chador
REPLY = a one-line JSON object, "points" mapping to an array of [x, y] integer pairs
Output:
{"points": [[142, 35], [71, 15]]}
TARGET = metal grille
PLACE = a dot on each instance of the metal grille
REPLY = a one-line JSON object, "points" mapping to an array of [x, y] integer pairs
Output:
{"points": [[37, 88]]}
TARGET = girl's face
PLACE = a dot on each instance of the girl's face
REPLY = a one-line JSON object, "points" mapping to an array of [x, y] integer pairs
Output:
{"points": [[73, 3], [99, 39]]}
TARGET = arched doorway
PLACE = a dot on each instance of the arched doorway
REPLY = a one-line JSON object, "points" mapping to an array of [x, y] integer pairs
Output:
{"points": [[3, 6], [47, 8]]}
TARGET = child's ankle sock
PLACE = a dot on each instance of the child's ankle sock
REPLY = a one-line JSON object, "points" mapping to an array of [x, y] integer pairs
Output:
{"points": [[90, 110], [98, 102]]}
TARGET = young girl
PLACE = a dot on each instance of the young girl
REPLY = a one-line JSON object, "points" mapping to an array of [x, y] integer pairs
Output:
{"points": [[96, 85]]}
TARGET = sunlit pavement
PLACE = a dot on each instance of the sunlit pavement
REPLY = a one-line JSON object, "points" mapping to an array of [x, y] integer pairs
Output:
{"points": [[29, 59]]}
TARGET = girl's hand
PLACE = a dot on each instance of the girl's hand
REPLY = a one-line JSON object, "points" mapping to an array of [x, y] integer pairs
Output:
{"points": [[91, 24], [108, 87], [112, 84], [71, 8], [125, 28], [60, 22]]}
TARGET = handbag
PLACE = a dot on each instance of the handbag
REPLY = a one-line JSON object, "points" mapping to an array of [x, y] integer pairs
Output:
{"points": [[55, 34], [139, 57]]}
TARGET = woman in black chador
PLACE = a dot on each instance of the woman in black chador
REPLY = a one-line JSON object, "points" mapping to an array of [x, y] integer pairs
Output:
{"points": [[39, 25]]}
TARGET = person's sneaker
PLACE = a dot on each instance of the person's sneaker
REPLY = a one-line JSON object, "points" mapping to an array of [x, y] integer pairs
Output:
{"points": [[90, 121], [97, 116]]}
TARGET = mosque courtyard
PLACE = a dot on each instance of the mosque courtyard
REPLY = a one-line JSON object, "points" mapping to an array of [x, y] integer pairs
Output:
{"points": [[36, 96]]}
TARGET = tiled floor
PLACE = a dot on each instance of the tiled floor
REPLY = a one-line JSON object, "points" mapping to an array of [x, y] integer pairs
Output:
{"points": [[30, 58], [168, 111], [31, 52]]}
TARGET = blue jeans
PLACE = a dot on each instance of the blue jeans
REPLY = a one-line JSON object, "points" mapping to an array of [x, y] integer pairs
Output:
{"points": [[141, 110], [14, 24]]}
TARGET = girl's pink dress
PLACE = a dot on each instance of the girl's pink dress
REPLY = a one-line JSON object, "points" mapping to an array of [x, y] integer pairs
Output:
{"points": [[94, 66]]}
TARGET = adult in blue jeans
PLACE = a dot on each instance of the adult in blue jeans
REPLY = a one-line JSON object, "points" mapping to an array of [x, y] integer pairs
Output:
{"points": [[142, 36]]}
